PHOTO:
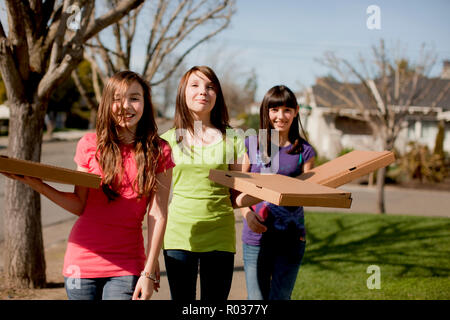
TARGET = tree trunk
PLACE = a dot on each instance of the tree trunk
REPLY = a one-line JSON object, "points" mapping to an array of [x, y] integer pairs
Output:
{"points": [[381, 174], [93, 118], [24, 260]]}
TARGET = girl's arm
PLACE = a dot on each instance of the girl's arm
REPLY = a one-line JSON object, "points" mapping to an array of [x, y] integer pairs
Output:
{"points": [[307, 166], [157, 220], [238, 199], [244, 201], [73, 202]]}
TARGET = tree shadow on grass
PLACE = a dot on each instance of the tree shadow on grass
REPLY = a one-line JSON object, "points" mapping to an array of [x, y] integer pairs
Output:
{"points": [[413, 246]]}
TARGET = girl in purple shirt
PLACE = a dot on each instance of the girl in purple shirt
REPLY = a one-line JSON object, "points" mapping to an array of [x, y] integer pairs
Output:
{"points": [[274, 236]]}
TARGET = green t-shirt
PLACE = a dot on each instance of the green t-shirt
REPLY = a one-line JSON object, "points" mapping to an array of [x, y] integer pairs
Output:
{"points": [[201, 216]]}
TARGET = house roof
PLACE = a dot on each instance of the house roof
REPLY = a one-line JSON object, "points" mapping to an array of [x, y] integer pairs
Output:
{"points": [[429, 88]]}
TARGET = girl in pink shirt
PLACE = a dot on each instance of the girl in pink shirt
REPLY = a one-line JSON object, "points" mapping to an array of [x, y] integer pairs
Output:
{"points": [[105, 256]]}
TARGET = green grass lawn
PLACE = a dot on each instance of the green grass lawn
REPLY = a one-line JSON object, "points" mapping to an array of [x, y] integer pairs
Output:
{"points": [[413, 254]]}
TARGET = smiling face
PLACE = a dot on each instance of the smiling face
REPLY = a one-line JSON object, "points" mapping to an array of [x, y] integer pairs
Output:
{"points": [[129, 106], [200, 94], [281, 118]]}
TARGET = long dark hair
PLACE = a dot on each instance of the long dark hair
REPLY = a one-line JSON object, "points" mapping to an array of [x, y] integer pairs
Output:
{"points": [[146, 141], [279, 96], [219, 114]]}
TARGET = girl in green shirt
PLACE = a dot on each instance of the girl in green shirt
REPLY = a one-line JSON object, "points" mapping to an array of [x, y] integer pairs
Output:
{"points": [[200, 233]]}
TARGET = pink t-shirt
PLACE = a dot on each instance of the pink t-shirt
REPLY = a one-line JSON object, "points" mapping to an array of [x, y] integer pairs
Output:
{"points": [[106, 240]]}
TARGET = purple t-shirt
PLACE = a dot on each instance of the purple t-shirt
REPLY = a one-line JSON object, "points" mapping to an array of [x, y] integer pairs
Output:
{"points": [[288, 165]]}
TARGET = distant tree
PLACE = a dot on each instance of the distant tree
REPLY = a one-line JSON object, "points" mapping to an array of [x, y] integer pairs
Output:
{"points": [[439, 141], [239, 91], [43, 44], [239, 84], [390, 85], [165, 93], [175, 29], [61, 101], [84, 78]]}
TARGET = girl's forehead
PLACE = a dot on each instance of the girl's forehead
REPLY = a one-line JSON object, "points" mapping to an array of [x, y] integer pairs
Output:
{"points": [[197, 75], [129, 89]]}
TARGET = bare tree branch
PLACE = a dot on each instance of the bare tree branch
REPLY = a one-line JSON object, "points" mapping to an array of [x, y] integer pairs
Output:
{"points": [[181, 58], [154, 49], [172, 23], [113, 15], [52, 31], [391, 90], [10, 74], [83, 91], [17, 35]]}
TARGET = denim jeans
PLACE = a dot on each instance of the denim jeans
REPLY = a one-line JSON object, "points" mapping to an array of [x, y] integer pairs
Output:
{"points": [[216, 274], [250, 254], [271, 269], [112, 288]]}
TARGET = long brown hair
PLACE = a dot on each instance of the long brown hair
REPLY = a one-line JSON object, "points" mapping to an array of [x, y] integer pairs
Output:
{"points": [[146, 142], [219, 114], [278, 96]]}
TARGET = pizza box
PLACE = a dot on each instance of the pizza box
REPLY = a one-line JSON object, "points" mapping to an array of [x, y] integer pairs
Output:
{"points": [[282, 190], [348, 167], [320, 182], [48, 173]]}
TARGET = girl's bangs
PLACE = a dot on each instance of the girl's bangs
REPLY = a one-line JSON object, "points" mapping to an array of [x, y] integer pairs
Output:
{"points": [[281, 99], [120, 90], [122, 86]]}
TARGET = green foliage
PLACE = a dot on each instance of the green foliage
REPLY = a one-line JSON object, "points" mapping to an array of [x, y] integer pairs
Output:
{"points": [[3, 96], [67, 98], [84, 70], [252, 121], [412, 253], [319, 160], [78, 118], [63, 97], [251, 85], [419, 163], [344, 151]]}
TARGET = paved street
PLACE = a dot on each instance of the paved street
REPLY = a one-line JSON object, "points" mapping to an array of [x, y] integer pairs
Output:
{"points": [[398, 201]]}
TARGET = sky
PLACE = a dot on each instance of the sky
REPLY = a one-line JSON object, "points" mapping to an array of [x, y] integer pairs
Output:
{"points": [[281, 40]]}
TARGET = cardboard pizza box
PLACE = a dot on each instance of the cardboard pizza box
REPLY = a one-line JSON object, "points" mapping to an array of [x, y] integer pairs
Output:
{"points": [[48, 172], [348, 167], [282, 190]]}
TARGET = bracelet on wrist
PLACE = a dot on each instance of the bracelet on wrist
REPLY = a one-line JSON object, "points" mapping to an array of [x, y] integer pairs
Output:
{"points": [[149, 275]]}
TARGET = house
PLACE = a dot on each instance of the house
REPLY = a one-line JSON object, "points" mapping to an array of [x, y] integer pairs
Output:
{"points": [[334, 125], [4, 112], [4, 119]]}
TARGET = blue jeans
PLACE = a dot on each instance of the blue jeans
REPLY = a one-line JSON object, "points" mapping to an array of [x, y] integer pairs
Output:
{"points": [[250, 254], [271, 269], [112, 288], [216, 274]]}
